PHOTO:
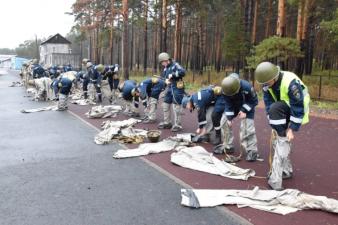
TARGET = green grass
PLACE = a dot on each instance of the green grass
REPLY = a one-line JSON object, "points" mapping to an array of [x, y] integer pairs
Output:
{"points": [[325, 105]]}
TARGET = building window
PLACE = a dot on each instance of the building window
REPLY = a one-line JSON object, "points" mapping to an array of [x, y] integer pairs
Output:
{"points": [[54, 50]]}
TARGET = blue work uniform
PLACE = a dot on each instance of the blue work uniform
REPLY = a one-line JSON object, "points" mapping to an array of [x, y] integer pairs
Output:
{"points": [[110, 72], [128, 86], [174, 94], [38, 71], [279, 110], [93, 76], [245, 100], [62, 85], [202, 100], [149, 89]]}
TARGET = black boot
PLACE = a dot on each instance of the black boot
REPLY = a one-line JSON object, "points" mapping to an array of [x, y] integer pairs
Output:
{"points": [[85, 94], [99, 96], [218, 138]]}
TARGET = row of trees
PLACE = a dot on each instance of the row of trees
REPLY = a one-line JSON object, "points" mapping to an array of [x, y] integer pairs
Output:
{"points": [[28, 49], [204, 34]]}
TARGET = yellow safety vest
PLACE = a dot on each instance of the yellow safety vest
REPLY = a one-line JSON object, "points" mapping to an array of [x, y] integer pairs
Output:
{"points": [[288, 77]]}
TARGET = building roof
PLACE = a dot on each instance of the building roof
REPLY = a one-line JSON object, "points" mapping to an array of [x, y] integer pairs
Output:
{"points": [[56, 39]]}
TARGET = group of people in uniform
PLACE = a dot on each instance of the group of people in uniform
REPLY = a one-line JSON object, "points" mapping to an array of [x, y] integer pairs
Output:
{"points": [[285, 96]]}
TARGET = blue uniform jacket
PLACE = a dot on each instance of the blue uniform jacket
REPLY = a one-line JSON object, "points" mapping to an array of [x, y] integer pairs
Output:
{"points": [[202, 100], [129, 85], [94, 76], [62, 85], [245, 100], [296, 100], [53, 72], [149, 89], [176, 70], [109, 71], [67, 68], [38, 71]]}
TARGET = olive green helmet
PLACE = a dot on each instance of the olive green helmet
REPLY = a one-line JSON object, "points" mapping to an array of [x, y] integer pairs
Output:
{"points": [[84, 61], [100, 68], [134, 92], [266, 72], [163, 57], [231, 84], [89, 64]]}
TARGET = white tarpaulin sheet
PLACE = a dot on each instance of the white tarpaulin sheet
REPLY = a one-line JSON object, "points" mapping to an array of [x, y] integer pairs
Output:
{"points": [[76, 94], [280, 202], [16, 84], [103, 111], [197, 158], [83, 102], [112, 128], [47, 108], [152, 148], [131, 132], [43, 87]]}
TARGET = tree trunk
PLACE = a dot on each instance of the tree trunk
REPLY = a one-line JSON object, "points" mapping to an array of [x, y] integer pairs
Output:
{"points": [[97, 52], [90, 47], [119, 44], [145, 56], [268, 19], [305, 19], [248, 14], [178, 28], [204, 41], [254, 25], [218, 42], [164, 26], [132, 44], [281, 19], [111, 40], [125, 51], [309, 44], [300, 18], [189, 48], [201, 45], [156, 38]]}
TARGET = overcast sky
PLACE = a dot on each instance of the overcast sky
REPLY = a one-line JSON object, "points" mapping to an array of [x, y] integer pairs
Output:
{"points": [[20, 20]]}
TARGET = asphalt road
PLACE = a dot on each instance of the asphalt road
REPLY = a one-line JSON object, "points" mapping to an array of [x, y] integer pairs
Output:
{"points": [[51, 172]]}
